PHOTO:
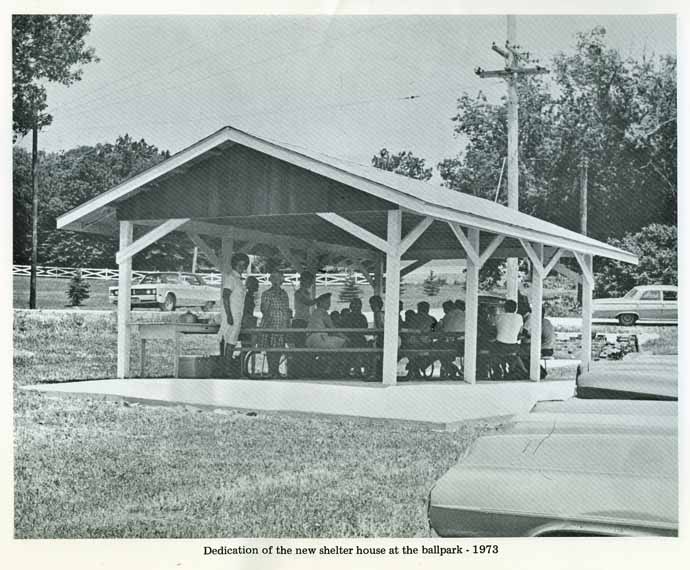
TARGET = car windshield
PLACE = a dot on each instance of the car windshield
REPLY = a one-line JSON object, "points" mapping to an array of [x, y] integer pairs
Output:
{"points": [[632, 293]]}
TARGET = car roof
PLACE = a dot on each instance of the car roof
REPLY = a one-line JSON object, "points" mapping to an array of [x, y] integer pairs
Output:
{"points": [[665, 287]]}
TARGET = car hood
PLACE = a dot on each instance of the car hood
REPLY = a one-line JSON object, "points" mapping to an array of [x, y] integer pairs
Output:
{"points": [[580, 461], [636, 376]]}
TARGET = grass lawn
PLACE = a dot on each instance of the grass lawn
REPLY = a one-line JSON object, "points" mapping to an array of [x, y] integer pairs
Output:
{"points": [[89, 468]]}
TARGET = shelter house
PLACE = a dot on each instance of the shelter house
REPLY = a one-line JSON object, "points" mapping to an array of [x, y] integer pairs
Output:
{"points": [[250, 193]]}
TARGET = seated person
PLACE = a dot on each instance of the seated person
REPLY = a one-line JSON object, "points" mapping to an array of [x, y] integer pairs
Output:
{"points": [[508, 327], [320, 319], [354, 319], [424, 321], [453, 320], [335, 319], [547, 335]]}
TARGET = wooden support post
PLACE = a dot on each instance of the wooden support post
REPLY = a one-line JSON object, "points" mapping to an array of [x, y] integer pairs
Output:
{"points": [[587, 290], [536, 316], [471, 309], [124, 296], [390, 337]]}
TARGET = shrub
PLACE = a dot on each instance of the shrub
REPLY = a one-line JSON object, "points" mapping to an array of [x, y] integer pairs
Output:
{"points": [[350, 289], [78, 289], [431, 285]]}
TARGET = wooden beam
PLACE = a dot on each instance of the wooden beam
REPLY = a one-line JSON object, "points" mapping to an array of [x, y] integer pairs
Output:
{"points": [[552, 262], [274, 240], [490, 249], [567, 272], [472, 253], [537, 293], [208, 251], [414, 234], [124, 300], [391, 315], [151, 237], [412, 266], [534, 257], [471, 309], [585, 267], [297, 264], [355, 230]]}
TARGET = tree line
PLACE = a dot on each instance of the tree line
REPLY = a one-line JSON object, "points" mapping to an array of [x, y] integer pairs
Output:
{"points": [[617, 114]]}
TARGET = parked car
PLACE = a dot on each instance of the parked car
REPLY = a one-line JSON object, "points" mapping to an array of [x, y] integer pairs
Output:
{"points": [[645, 302], [170, 290], [603, 466]]}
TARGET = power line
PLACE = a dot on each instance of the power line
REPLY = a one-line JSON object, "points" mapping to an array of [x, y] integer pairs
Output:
{"points": [[279, 110], [235, 68], [77, 102]]}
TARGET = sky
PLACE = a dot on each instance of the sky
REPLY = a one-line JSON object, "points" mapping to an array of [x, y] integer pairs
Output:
{"points": [[342, 85]]}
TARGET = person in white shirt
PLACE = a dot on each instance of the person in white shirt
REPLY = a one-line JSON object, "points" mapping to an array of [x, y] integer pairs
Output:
{"points": [[508, 327], [232, 307], [320, 319]]}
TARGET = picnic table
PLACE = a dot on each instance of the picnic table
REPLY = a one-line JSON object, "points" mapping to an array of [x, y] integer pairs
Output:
{"points": [[175, 331]]}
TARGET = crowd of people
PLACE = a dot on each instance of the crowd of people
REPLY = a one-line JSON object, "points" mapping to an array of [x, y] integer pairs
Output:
{"points": [[502, 336]]}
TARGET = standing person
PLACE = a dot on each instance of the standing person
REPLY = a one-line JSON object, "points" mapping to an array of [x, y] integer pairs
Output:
{"points": [[251, 284], [232, 305], [508, 327], [376, 304], [275, 311], [304, 300]]}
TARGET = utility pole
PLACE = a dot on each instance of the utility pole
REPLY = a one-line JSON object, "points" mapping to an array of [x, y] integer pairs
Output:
{"points": [[513, 70], [34, 214], [584, 165]]}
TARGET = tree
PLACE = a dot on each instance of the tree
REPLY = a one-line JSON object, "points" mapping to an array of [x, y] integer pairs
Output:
{"points": [[619, 114], [657, 248], [350, 289], [44, 48], [431, 285], [71, 178], [404, 163]]}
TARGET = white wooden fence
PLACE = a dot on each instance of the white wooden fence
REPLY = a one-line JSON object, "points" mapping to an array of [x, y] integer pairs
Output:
{"points": [[323, 279]]}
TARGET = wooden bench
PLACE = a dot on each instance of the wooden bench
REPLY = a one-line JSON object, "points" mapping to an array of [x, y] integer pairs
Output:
{"points": [[158, 330], [430, 352]]}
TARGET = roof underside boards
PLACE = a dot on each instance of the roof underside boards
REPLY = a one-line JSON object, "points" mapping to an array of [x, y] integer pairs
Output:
{"points": [[234, 178]]}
